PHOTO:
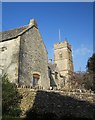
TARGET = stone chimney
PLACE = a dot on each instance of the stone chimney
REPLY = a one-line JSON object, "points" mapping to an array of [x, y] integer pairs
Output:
{"points": [[33, 22]]}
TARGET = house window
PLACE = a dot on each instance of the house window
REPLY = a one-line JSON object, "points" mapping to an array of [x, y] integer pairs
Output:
{"points": [[3, 49], [36, 78]]}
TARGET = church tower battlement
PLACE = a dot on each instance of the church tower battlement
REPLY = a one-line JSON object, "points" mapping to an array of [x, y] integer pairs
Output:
{"points": [[62, 44], [63, 58]]}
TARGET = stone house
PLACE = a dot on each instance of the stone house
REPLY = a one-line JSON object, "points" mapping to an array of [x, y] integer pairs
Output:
{"points": [[24, 58]]}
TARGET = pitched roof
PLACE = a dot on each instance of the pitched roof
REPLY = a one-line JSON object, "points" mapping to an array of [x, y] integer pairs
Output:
{"points": [[7, 35], [11, 33]]}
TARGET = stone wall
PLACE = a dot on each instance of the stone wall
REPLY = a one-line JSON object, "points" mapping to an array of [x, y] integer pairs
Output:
{"points": [[9, 55], [33, 59], [58, 102]]}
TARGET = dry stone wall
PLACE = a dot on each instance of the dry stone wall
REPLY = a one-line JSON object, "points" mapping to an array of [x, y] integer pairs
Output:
{"points": [[58, 102]]}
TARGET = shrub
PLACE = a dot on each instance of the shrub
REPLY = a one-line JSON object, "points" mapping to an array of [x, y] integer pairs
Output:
{"points": [[10, 98]]}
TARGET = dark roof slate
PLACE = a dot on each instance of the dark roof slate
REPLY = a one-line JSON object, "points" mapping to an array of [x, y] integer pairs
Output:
{"points": [[11, 33]]}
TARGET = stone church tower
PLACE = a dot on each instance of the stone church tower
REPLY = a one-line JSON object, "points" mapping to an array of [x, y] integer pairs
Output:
{"points": [[63, 59]]}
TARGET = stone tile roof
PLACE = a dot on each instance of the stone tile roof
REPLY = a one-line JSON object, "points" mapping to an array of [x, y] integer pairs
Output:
{"points": [[10, 34], [6, 35]]}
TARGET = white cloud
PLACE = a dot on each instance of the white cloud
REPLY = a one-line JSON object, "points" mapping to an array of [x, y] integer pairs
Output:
{"points": [[82, 51], [80, 57]]}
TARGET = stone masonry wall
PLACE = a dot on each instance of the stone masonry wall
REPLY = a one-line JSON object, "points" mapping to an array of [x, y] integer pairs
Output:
{"points": [[58, 102], [33, 59], [63, 59], [64, 63], [9, 54]]}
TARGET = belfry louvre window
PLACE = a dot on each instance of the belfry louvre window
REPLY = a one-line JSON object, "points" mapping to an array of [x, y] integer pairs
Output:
{"points": [[60, 55]]}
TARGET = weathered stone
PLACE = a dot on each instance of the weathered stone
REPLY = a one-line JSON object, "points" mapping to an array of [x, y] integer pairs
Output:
{"points": [[78, 105], [63, 60], [9, 58], [23, 55]]}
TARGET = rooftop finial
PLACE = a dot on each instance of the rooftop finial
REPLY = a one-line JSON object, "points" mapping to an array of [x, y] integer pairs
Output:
{"points": [[33, 22]]}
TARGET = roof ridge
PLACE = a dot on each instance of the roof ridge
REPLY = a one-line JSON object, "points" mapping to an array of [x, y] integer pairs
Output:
{"points": [[14, 28], [18, 34], [29, 26]]}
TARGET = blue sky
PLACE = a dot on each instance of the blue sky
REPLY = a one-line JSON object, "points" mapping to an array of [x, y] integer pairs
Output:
{"points": [[75, 21]]}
